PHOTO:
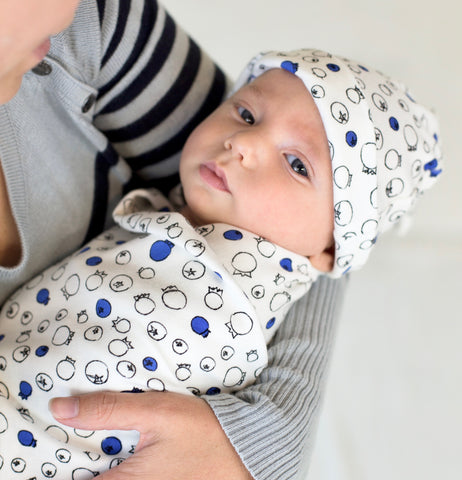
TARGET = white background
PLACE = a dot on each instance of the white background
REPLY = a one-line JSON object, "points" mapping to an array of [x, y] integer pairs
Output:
{"points": [[394, 401]]}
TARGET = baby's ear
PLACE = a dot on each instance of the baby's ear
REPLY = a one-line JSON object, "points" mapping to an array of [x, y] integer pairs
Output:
{"points": [[324, 261]]}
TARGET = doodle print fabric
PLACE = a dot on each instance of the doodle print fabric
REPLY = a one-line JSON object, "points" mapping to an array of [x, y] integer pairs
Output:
{"points": [[384, 145], [150, 304]]}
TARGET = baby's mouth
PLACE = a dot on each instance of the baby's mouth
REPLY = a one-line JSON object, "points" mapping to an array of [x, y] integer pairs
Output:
{"points": [[214, 176]]}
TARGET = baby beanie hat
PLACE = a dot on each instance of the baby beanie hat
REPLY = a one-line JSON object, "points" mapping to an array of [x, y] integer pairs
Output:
{"points": [[383, 144]]}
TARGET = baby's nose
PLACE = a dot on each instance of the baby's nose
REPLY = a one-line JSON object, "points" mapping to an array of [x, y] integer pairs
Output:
{"points": [[246, 147]]}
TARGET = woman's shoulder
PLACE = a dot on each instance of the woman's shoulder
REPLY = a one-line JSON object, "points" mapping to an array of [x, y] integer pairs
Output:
{"points": [[91, 44]]}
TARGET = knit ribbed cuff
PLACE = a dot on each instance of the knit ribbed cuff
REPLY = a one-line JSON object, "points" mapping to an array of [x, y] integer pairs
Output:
{"points": [[272, 424]]}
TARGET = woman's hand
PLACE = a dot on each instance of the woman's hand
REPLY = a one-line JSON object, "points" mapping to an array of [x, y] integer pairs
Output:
{"points": [[180, 437]]}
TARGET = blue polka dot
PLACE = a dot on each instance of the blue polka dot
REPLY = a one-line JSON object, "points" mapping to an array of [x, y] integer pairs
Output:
{"points": [[286, 264], [363, 68], [26, 438], [103, 308], [394, 124], [111, 445], [213, 391], [233, 235], [351, 138], [85, 249], [43, 296], [333, 67], [291, 67], [270, 323], [432, 167], [92, 261], [41, 351], [25, 390], [160, 250], [150, 364], [200, 326]]}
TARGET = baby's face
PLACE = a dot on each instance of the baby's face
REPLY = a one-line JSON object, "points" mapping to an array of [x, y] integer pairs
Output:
{"points": [[261, 162]]}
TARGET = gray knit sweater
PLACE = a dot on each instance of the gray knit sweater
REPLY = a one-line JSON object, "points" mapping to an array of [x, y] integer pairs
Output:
{"points": [[109, 109]]}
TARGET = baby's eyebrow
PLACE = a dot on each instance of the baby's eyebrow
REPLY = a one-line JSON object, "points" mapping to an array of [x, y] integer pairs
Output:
{"points": [[255, 90]]}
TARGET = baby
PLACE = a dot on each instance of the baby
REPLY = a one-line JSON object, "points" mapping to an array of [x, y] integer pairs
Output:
{"points": [[294, 176]]}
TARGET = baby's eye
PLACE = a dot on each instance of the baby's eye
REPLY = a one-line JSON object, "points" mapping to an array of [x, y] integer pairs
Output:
{"points": [[297, 165], [246, 115]]}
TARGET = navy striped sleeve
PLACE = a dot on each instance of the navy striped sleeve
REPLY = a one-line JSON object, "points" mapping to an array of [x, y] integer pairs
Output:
{"points": [[148, 19], [149, 71], [155, 85], [170, 147]]}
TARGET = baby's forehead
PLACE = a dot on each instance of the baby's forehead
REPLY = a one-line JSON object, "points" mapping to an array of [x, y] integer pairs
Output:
{"points": [[277, 84], [284, 97], [252, 88]]}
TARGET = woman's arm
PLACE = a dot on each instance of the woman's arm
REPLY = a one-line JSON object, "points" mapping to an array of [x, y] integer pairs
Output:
{"points": [[155, 84], [271, 423]]}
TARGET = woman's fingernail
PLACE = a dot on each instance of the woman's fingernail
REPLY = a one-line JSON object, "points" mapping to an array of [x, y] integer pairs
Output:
{"points": [[64, 407]]}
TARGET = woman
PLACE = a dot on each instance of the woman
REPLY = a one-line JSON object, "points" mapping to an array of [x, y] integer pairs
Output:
{"points": [[103, 107]]}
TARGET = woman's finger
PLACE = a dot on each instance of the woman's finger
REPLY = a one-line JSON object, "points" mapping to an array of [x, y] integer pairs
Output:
{"points": [[104, 410]]}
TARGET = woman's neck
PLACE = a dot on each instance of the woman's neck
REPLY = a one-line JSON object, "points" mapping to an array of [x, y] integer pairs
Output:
{"points": [[10, 243]]}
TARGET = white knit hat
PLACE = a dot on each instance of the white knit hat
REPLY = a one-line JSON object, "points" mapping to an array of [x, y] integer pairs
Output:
{"points": [[383, 144]]}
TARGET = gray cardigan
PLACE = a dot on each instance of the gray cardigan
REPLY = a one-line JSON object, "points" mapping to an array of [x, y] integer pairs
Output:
{"points": [[108, 110]]}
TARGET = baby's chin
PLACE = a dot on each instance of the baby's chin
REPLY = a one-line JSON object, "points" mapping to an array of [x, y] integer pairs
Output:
{"points": [[193, 218], [324, 261]]}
